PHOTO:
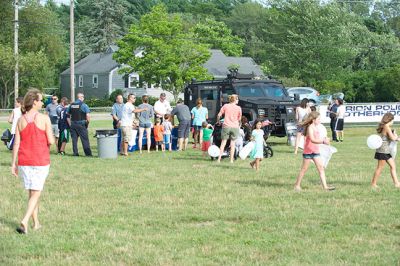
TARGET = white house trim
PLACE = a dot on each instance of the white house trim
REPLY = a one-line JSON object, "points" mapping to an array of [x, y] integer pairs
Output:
{"points": [[110, 76]]}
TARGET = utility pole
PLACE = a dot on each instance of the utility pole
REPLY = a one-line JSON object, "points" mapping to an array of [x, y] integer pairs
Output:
{"points": [[72, 49], [16, 26]]}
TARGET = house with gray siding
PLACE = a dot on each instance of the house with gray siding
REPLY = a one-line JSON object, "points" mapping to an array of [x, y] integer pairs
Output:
{"points": [[97, 74]]}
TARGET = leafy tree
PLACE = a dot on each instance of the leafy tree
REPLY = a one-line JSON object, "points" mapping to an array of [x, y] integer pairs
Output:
{"points": [[218, 36], [388, 85], [38, 34], [35, 71], [170, 56], [103, 23], [6, 22], [211, 8], [7, 63], [248, 21]]}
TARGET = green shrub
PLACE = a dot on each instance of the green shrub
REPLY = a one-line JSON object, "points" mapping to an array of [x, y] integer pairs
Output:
{"points": [[152, 100], [114, 94], [95, 102]]}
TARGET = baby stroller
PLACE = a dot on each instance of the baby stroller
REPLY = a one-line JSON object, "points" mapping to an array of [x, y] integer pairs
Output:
{"points": [[7, 139], [216, 140]]}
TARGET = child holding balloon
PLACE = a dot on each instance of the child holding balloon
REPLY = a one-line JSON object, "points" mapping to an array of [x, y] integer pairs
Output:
{"points": [[311, 150], [382, 153]]}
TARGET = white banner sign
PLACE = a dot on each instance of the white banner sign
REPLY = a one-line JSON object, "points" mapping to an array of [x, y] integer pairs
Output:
{"points": [[364, 112]]}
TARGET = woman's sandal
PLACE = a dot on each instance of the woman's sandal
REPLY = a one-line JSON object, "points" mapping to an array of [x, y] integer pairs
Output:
{"points": [[22, 229], [330, 188]]}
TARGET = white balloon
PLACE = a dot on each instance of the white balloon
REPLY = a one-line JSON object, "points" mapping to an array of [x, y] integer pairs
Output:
{"points": [[374, 142], [213, 151]]}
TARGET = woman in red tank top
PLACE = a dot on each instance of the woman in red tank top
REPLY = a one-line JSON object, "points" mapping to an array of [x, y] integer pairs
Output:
{"points": [[31, 154], [311, 150]]}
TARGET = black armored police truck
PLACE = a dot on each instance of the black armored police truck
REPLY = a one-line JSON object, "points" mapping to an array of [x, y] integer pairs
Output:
{"points": [[264, 99]]}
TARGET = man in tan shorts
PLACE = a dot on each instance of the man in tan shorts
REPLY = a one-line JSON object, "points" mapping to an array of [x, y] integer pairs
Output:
{"points": [[127, 122]]}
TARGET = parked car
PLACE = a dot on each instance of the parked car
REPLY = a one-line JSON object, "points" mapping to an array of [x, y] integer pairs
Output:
{"points": [[328, 98], [305, 92]]}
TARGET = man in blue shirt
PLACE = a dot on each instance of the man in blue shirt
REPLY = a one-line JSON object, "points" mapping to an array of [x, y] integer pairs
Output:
{"points": [[116, 112], [79, 118]]}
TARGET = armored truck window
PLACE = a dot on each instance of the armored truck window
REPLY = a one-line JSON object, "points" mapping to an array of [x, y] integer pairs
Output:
{"points": [[274, 91], [209, 95], [250, 91]]}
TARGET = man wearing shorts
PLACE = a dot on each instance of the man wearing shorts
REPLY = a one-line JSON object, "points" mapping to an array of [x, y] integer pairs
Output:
{"points": [[127, 122], [183, 113], [51, 110], [63, 125], [230, 128]]}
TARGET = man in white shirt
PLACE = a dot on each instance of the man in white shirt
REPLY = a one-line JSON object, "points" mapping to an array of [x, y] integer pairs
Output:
{"points": [[162, 107], [127, 122], [13, 120]]}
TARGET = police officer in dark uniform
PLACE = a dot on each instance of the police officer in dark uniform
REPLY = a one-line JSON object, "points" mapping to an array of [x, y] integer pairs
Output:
{"points": [[79, 121]]}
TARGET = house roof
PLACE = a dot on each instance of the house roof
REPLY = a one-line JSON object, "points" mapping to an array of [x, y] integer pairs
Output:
{"points": [[94, 64], [218, 64]]}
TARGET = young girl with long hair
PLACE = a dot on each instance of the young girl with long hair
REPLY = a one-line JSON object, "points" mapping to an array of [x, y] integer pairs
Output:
{"points": [[257, 135], [301, 112], [382, 154], [311, 150], [199, 115]]}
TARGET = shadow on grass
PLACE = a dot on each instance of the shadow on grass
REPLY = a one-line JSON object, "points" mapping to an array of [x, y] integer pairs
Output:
{"points": [[191, 158], [349, 183], [8, 223], [262, 183]]}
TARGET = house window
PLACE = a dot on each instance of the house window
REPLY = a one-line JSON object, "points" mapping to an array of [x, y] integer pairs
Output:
{"points": [[133, 80], [95, 81], [80, 81]]}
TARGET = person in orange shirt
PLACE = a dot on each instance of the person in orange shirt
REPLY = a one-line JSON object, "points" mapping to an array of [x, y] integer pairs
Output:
{"points": [[159, 134]]}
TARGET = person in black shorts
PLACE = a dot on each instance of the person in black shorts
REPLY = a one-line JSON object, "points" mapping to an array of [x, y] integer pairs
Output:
{"points": [[183, 113], [383, 153]]}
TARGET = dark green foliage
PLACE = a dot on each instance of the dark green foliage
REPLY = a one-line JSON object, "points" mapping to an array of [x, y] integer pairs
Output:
{"points": [[114, 94], [95, 102], [152, 100]]}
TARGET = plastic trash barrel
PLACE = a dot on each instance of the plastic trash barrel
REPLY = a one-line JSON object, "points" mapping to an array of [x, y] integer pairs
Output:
{"points": [[107, 143]]}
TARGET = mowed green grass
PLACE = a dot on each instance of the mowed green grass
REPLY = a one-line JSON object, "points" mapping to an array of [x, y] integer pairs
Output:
{"points": [[180, 209]]}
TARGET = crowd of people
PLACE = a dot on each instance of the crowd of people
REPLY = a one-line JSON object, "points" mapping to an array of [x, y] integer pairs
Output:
{"points": [[34, 133]]}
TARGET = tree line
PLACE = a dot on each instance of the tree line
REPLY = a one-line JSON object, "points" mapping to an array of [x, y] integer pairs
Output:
{"points": [[337, 45]]}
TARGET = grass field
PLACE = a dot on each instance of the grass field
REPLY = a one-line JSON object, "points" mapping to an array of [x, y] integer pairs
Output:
{"points": [[181, 209]]}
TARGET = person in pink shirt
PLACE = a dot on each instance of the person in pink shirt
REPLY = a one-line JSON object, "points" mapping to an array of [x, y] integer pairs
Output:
{"points": [[230, 128], [311, 149]]}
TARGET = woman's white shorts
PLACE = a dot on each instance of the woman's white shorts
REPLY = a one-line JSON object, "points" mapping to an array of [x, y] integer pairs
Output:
{"points": [[34, 176]]}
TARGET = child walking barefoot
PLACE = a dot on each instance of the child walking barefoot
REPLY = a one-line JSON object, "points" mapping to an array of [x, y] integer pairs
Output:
{"points": [[311, 150], [258, 152], [383, 153]]}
